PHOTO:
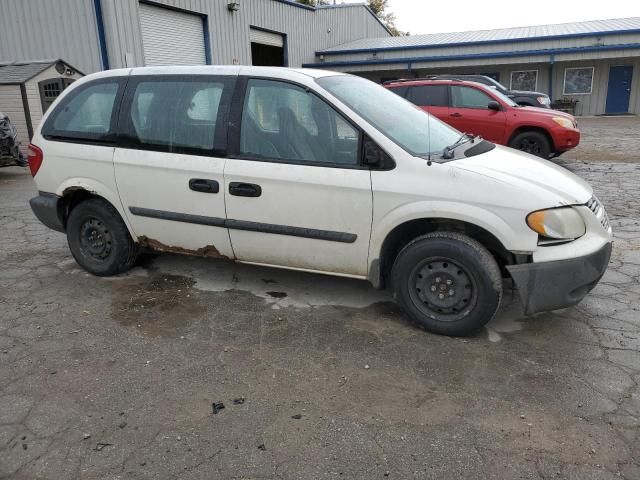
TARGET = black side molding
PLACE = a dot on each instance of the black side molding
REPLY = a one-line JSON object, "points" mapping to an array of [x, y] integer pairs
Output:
{"points": [[313, 233], [178, 217], [328, 235]]}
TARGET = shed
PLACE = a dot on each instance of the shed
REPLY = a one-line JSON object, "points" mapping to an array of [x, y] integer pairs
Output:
{"points": [[28, 88]]}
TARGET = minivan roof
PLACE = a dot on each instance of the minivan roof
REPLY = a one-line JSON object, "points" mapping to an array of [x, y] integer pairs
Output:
{"points": [[275, 72]]}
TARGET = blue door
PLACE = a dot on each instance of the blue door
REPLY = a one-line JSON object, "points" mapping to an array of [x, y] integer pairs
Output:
{"points": [[619, 89]]}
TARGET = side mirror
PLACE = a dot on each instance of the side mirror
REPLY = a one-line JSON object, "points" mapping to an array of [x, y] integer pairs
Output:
{"points": [[374, 157], [493, 105]]}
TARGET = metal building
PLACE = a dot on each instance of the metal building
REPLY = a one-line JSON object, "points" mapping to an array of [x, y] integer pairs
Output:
{"points": [[101, 34], [595, 66]]}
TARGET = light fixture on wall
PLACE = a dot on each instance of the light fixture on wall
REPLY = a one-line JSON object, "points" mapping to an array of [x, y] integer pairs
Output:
{"points": [[234, 6]]}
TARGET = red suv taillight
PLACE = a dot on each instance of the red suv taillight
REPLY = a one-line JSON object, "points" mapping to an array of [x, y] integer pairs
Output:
{"points": [[35, 159]]}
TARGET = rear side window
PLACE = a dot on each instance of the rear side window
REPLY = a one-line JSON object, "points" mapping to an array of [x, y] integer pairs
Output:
{"points": [[429, 95], [175, 115], [467, 97], [85, 114]]}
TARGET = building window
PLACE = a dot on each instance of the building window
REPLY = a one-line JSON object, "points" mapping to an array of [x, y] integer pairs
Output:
{"points": [[526, 80], [578, 81], [50, 89]]}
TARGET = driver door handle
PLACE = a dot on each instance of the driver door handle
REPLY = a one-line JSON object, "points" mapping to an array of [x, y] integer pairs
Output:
{"points": [[240, 189], [455, 114]]}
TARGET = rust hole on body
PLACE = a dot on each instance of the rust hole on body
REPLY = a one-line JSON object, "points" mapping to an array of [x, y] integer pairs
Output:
{"points": [[208, 251]]}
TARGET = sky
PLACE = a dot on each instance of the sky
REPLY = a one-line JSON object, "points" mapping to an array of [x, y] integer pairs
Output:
{"points": [[424, 16]]}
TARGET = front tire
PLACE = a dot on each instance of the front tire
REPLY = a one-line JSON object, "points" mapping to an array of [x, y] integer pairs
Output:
{"points": [[99, 240], [447, 283], [535, 143]]}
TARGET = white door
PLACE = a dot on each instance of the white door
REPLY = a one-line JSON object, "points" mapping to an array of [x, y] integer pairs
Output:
{"points": [[170, 37], [296, 194], [169, 171]]}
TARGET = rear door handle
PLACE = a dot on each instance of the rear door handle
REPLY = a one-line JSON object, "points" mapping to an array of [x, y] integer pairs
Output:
{"points": [[203, 185], [240, 189], [456, 114]]}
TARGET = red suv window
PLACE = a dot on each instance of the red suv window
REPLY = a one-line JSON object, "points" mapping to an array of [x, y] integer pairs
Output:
{"points": [[467, 97], [429, 95]]}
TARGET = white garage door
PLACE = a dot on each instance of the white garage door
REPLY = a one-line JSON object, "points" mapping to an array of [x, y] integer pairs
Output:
{"points": [[170, 37], [266, 38]]}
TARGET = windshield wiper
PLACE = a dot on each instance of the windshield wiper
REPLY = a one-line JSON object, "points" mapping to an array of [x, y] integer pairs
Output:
{"points": [[447, 153]]}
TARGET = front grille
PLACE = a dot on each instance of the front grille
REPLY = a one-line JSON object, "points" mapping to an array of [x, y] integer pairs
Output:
{"points": [[598, 210]]}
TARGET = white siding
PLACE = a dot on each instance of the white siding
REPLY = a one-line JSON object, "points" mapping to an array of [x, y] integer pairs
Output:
{"points": [[11, 105], [48, 29], [170, 37]]}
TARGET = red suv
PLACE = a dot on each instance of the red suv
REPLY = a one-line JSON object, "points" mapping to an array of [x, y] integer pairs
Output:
{"points": [[481, 110]]}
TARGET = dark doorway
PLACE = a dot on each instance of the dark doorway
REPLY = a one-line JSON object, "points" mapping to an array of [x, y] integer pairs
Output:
{"points": [[266, 55]]}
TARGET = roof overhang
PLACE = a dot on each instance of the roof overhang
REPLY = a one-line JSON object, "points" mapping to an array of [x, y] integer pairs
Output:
{"points": [[473, 56]]}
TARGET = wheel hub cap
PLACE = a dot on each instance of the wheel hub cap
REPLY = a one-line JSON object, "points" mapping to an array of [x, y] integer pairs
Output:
{"points": [[443, 289], [95, 239]]}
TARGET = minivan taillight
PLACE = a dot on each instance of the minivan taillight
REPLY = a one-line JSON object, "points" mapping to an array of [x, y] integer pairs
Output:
{"points": [[35, 159]]}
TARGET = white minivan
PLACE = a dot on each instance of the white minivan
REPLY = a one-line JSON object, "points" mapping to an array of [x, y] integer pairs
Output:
{"points": [[315, 171]]}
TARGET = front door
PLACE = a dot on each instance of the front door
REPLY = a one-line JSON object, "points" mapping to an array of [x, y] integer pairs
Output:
{"points": [[619, 90], [169, 168], [470, 113], [296, 192]]}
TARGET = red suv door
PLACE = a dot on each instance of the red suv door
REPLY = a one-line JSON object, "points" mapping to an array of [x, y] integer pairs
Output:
{"points": [[431, 98], [470, 113]]}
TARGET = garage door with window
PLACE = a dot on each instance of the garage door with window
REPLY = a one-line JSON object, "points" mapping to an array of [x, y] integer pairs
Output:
{"points": [[171, 37]]}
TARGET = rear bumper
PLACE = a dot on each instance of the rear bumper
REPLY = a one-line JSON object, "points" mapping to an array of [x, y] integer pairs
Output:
{"points": [[562, 283], [565, 139], [47, 207]]}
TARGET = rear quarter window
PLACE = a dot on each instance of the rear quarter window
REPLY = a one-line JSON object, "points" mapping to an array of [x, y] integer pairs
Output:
{"points": [[86, 113]]}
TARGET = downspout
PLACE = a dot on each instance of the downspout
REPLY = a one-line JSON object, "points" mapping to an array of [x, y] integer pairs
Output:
{"points": [[552, 60], [102, 41]]}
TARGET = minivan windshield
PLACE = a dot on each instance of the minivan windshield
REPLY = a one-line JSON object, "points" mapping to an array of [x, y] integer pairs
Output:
{"points": [[401, 121]]}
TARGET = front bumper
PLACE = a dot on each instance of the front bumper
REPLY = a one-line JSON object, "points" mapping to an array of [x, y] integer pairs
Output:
{"points": [[561, 283], [47, 207], [565, 139]]}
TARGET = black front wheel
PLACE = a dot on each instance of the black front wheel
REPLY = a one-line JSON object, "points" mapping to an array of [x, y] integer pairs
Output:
{"points": [[99, 239], [448, 283], [535, 143]]}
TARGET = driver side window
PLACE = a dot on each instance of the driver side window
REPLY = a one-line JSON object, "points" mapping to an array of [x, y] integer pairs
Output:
{"points": [[467, 97], [281, 121]]}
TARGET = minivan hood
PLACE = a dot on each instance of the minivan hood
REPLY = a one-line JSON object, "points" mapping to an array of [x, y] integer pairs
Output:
{"points": [[529, 174]]}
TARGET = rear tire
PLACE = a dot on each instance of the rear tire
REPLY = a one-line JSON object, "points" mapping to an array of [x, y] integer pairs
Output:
{"points": [[99, 240], [447, 283], [535, 143]]}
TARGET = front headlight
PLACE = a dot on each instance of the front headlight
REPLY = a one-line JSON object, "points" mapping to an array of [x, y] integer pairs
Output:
{"points": [[544, 100], [559, 223], [563, 122]]}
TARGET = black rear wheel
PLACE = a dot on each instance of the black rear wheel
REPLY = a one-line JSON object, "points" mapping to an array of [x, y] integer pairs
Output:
{"points": [[98, 238], [448, 283]]}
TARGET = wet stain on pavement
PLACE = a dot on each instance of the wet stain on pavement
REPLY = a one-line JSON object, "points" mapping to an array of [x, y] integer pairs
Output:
{"points": [[159, 305]]}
